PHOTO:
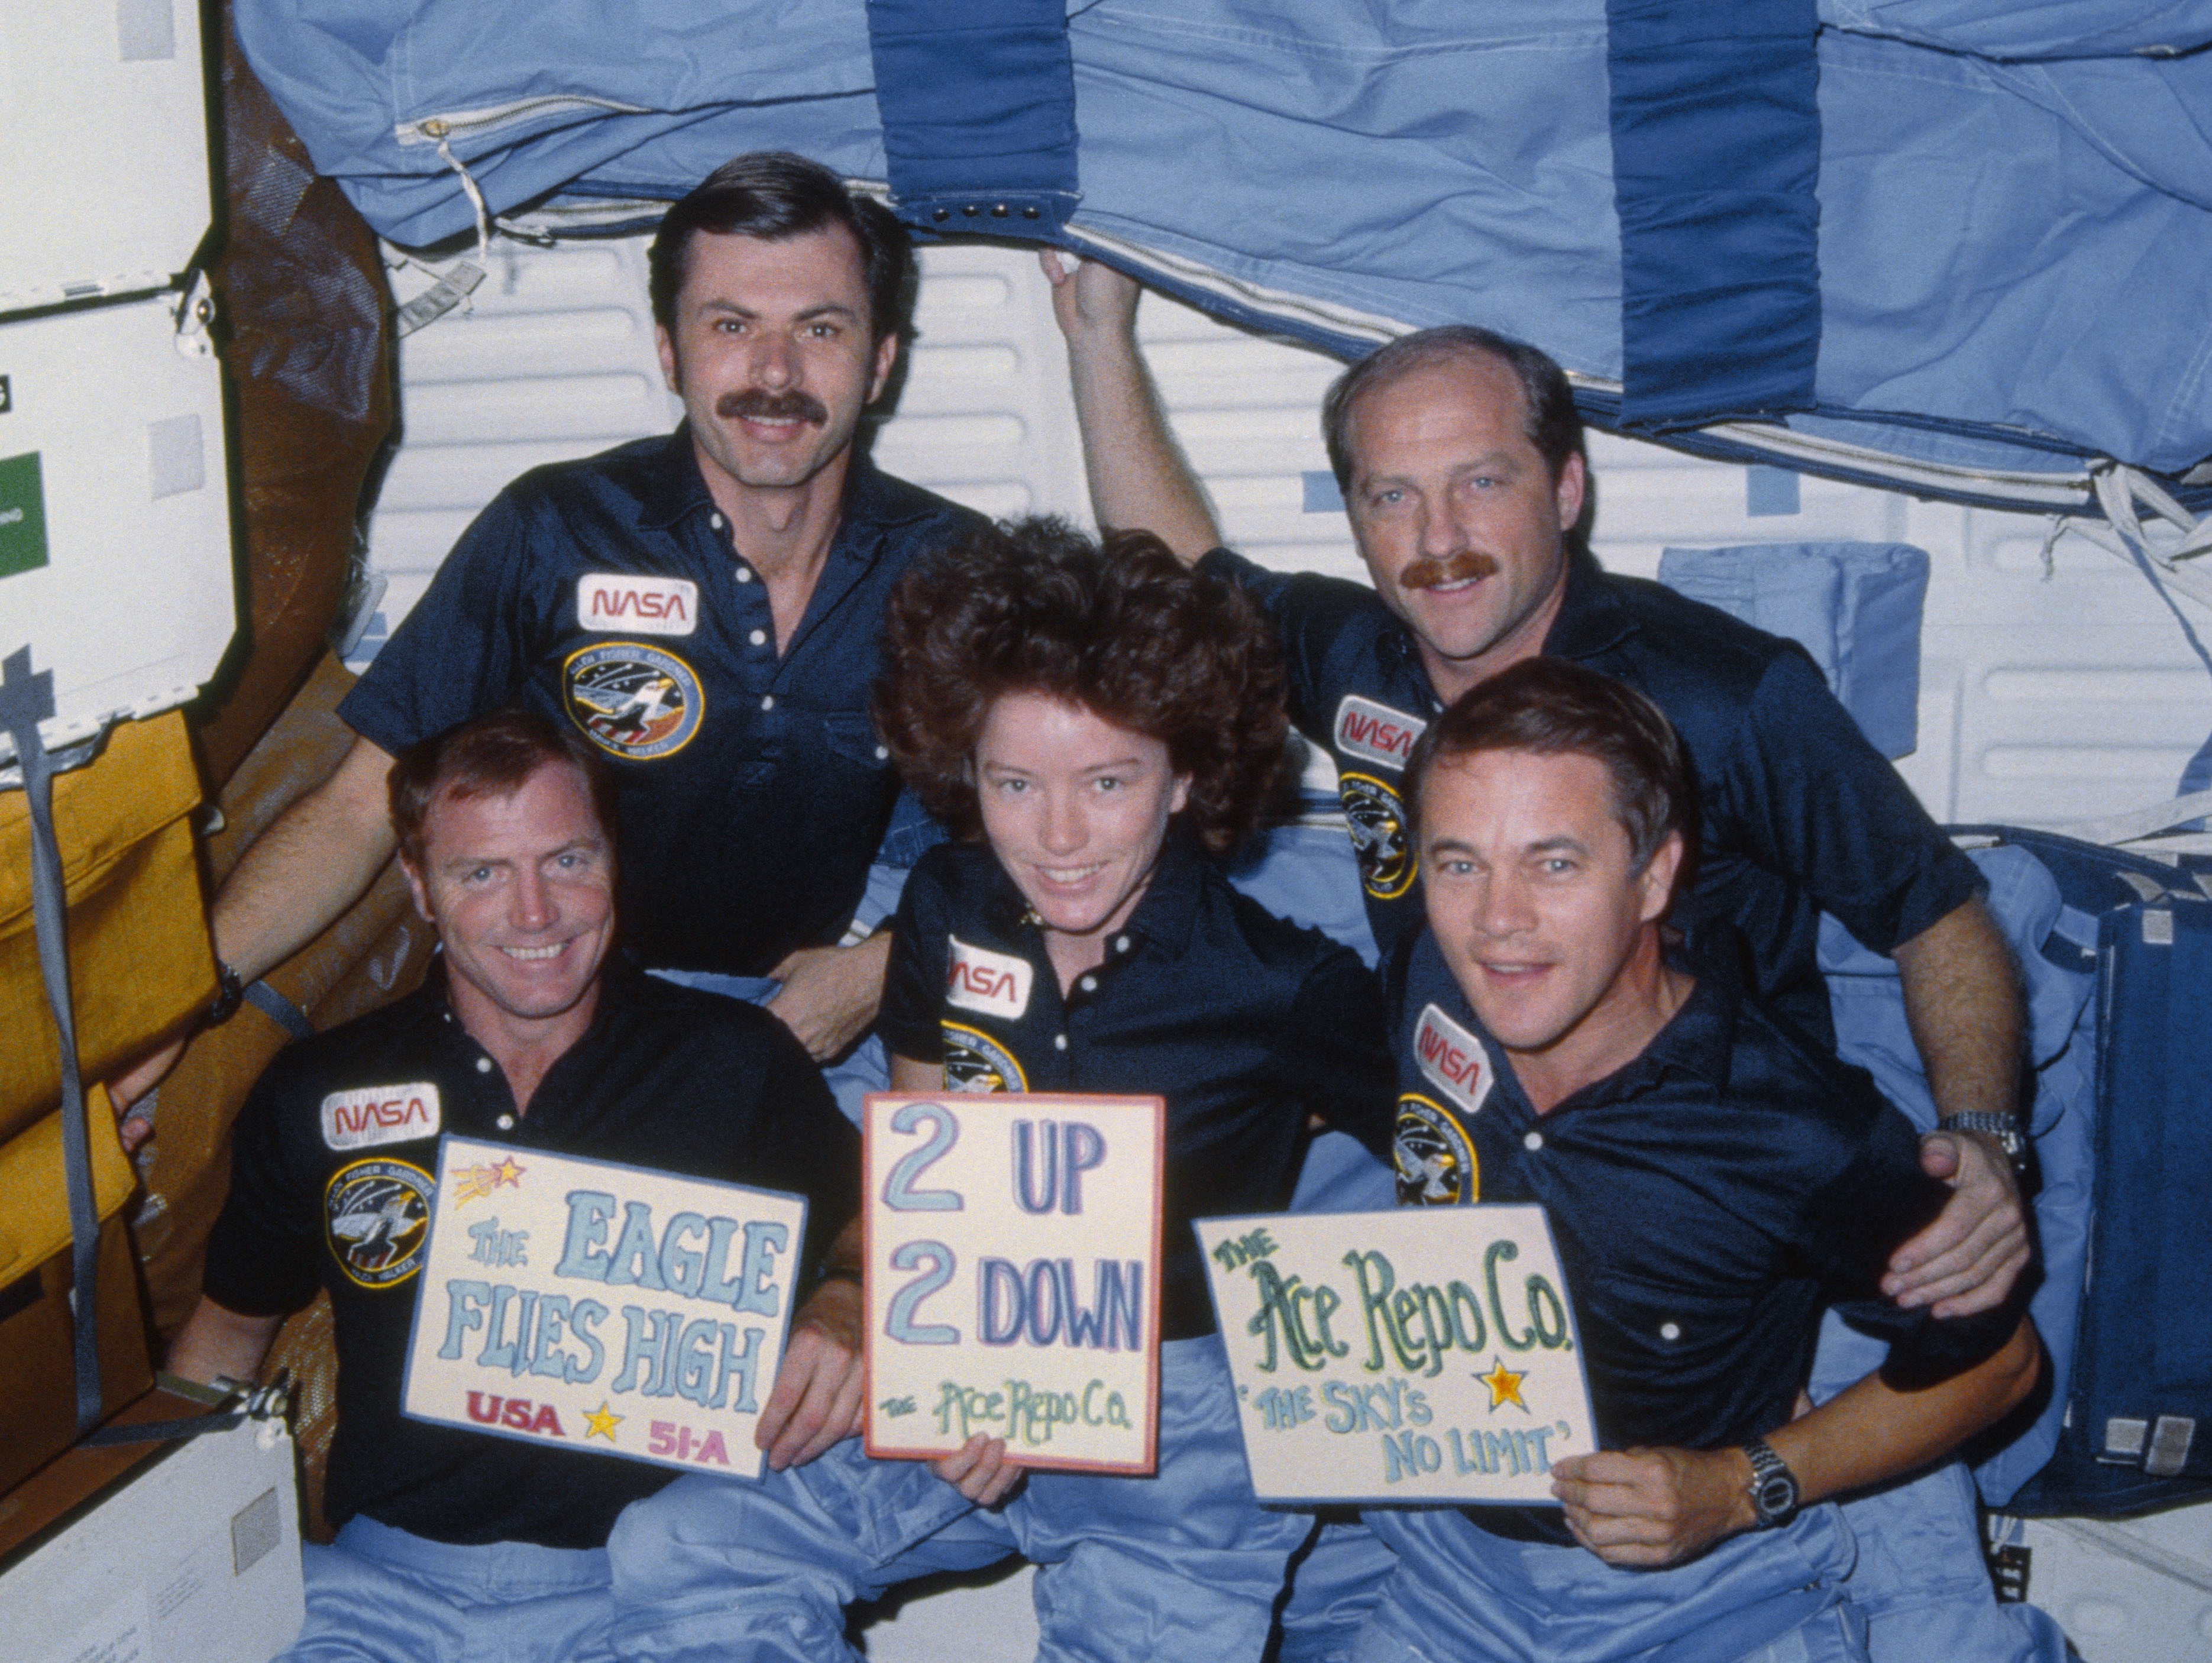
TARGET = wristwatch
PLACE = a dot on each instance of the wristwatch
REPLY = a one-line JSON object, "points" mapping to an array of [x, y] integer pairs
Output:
{"points": [[2005, 1128], [1773, 1487], [230, 993]]}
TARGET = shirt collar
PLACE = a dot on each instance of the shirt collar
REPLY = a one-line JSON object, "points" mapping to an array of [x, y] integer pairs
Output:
{"points": [[1698, 1039], [1164, 913], [673, 488], [621, 984], [1591, 619], [1591, 615]]}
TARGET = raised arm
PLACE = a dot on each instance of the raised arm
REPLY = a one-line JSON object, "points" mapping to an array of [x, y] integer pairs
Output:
{"points": [[311, 865], [1138, 476], [1963, 1002], [1656, 1506]]}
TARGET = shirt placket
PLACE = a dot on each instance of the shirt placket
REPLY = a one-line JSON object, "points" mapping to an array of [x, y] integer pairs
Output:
{"points": [[491, 1099], [754, 666]]}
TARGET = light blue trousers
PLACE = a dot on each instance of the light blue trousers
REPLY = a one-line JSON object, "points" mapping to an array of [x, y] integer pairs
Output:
{"points": [[380, 1595], [1184, 1564]]}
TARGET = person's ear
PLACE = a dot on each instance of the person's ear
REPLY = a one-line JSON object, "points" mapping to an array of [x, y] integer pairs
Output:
{"points": [[416, 887], [1658, 877], [1573, 483]]}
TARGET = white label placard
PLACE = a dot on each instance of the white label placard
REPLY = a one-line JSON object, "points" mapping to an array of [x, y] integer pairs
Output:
{"points": [[1423, 1355], [1013, 1280], [589, 1305]]}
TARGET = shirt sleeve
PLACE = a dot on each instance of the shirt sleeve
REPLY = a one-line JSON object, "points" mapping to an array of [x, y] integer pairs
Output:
{"points": [[261, 1256], [1810, 798], [914, 978], [1316, 620], [1880, 1199], [1336, 1049], [464, 648]]}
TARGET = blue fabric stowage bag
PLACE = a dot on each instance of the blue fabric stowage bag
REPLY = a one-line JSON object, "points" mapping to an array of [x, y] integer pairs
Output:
{"points": [[1854, 606]]}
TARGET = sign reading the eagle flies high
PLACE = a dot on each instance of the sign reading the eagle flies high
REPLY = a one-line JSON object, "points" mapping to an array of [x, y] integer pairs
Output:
{"points": [[585, 1305]]}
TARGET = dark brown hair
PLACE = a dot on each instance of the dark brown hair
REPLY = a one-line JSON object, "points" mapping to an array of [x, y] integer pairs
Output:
{"points": [[1554, 709], [1548, 416], [774, 195], [1124, 630], [489, 756]]}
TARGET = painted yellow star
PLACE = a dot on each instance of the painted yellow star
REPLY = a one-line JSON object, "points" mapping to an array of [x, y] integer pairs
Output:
{"points": [[597, 1423], [472, 1183], [1504, 1384]]}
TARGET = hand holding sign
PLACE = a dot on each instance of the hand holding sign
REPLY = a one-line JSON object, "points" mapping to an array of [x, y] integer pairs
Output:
{"points": [[1424, 1355], [1013, 1277]]}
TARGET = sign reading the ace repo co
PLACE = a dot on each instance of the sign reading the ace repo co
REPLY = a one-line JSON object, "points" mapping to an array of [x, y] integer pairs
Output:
{"points": [[1013, 1248]]}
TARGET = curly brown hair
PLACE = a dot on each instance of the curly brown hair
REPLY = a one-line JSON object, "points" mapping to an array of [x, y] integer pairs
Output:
{"points": [[1125, 630]]}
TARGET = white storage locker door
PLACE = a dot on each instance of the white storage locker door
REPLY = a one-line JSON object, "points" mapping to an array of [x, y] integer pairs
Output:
{"points": [[103, 147], [194, 1559], [115, 548]]}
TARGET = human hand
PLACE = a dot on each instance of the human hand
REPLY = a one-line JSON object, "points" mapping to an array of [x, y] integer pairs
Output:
{"points": [[1654, 1507], [1967, 1260], [1089, 297], [831, 994], [130, 1091], [816, 1400], [980, 1470]]}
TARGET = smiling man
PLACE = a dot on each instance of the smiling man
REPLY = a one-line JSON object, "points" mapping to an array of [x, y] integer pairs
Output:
{"points": [[528, 1034], [1460, 456], [1713, 1181], [703, 608]]}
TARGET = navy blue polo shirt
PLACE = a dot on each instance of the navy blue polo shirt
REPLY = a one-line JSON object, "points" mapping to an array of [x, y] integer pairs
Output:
{"points": [[664, 1077], [606, 593], [1798, 813], [1245, 1023], [1710, 1199]]}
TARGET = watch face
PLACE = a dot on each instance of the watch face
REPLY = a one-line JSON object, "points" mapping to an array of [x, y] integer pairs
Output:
{"points": [[1774, 1497]]}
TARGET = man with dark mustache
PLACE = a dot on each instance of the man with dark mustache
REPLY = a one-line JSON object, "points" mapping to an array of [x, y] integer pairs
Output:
{"points": [[704, 607]]}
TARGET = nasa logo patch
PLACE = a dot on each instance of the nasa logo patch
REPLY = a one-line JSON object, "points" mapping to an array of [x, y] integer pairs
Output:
{"points": [[976, 1062], [994, 984], [632, 700], [1453, 1058], [376, 1214], [1375, 733], [1378, 819], [1436, 1166], [642, 605], [375, 1115]]}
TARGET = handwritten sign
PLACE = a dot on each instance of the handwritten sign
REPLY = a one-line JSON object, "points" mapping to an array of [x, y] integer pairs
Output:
{"points": [[1013, 1252], [584, 1305], [1423, 1355]]}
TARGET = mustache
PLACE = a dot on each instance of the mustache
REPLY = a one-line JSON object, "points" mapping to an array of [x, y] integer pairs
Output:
{"points": [[754, 404], [1427, 573]]}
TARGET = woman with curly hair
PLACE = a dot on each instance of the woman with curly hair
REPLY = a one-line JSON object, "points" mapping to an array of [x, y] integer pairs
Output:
{"points": [[1100, 726]]}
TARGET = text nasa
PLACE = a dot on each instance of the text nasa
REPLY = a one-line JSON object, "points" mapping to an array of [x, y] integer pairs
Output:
{"points": [[665, 1351]]}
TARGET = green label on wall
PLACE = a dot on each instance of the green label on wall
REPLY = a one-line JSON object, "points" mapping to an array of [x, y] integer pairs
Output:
{"points": [[23, 515]]}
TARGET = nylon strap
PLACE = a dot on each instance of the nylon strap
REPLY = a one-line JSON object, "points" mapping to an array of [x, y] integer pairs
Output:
{"points": [[27, 699]]}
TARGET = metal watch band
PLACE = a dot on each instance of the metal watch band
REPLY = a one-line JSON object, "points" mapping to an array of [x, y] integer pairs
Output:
{"points": [[1773, 1487], [2005, 1128], [230, 993]]}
